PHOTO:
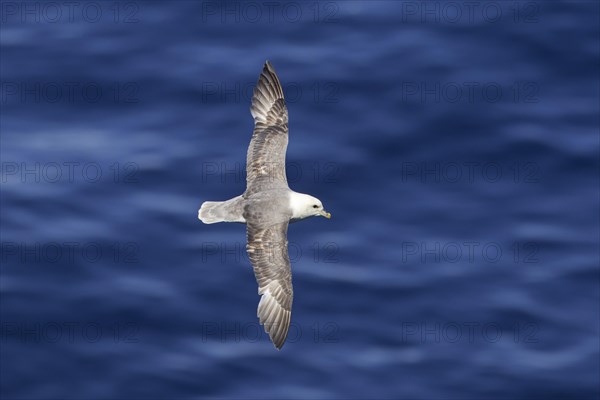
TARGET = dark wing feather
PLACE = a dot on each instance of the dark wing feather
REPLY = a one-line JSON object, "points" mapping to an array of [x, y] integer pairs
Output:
{"points": [[265, 164], [268, 251]]}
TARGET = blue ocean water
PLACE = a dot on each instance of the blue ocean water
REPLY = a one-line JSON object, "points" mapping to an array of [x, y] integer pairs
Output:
{"points": [[456, 145]]}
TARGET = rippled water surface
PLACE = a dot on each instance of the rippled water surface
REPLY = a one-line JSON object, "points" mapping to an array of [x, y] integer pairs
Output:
{"points": [[455, 145]]}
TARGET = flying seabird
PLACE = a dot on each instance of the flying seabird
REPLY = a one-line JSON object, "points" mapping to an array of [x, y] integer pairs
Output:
{"points": [[267, 206]]}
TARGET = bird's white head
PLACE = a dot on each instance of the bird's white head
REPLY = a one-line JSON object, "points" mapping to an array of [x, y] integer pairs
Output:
{"points": [[304, 206]]}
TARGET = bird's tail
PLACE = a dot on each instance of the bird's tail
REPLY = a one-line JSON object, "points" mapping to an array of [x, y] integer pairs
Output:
{"points": [[231, 210]]}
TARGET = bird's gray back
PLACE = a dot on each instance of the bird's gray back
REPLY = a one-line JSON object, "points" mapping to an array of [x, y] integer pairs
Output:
{"points": [[267, 207]]}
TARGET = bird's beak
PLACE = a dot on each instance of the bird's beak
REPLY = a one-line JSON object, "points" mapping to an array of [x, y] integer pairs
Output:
{"points": [[325, 214]]}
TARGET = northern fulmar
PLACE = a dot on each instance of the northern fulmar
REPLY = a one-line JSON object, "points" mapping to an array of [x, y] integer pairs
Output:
{"points": [[267, 206]]}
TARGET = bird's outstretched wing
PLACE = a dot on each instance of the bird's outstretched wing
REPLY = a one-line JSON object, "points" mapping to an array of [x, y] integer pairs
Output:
{"points": [[265, 164], [268, 251]]}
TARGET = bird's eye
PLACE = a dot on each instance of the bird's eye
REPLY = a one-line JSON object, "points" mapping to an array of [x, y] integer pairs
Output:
{"points": [[315, 206]]}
